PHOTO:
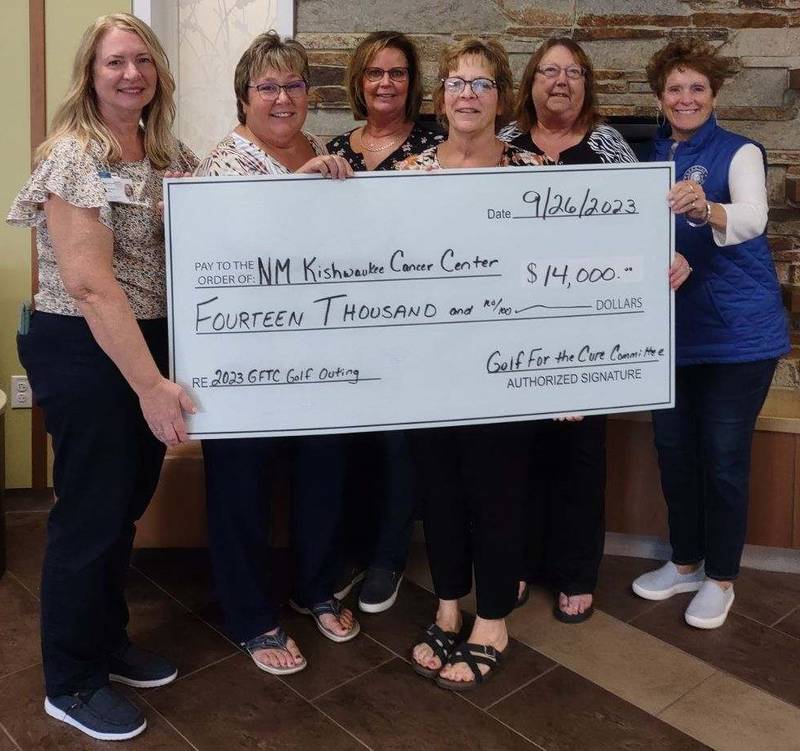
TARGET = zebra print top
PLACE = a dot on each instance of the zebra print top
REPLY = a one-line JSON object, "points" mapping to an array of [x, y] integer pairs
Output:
{"points": [[603, 145]]}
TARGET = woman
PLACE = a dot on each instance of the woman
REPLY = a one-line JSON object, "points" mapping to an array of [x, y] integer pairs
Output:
{"points": [[384, 85], [472, 519], [96, 355], [730, 328], [271, 86], [557, 117]]}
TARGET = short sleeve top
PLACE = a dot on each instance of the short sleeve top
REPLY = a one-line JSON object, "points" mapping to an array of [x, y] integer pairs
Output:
{"points": [[235, 156], [511, 157], [419, 139], [74, 173]]}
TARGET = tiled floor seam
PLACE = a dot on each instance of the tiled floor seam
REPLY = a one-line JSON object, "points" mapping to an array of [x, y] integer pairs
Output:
{"points": [[765, 625], [723, 670], [518, 688], [168, 593], [10, 737], [20, 670], [11, 575], [683, 695], [199, 617], [327, 691], [324, 714], [167, 721], [500, 722], [184, 676], [784, 617]]}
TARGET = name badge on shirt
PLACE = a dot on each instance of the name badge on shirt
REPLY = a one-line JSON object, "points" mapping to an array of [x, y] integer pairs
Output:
{"points": [[118, 189]]}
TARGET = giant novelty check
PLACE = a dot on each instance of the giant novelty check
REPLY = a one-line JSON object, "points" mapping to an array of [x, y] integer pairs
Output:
{"points": [[300, 305]]}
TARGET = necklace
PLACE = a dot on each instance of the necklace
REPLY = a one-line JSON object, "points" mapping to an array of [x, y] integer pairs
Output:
{"points": [[394, 140]]}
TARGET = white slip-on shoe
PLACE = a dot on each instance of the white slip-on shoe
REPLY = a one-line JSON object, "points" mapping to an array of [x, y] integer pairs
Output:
{"points": [[667, 581], [709, 607]]}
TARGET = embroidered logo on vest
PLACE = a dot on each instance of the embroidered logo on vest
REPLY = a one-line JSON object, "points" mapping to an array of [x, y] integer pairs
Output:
{"points": [[696, 173]]}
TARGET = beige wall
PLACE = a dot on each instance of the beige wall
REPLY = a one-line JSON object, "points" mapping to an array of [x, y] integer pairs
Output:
{"points": [[65, 21], [14, 243]]}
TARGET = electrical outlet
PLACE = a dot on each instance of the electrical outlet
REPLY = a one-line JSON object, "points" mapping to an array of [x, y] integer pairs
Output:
{"points": [[21, 397]]}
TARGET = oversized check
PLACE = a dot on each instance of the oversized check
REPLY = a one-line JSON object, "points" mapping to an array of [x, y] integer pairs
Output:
{"points": [[409, 300]]}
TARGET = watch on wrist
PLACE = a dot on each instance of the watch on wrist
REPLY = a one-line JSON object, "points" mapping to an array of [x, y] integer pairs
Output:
{"points": [[704, 221]]}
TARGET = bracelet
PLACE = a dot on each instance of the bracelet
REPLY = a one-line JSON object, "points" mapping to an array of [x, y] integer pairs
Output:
{"points": [[703, 222]]}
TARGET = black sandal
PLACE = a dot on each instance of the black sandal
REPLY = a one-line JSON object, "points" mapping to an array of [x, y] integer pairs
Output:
{"points": [[442, 644], [571, 617], [473, 655]]}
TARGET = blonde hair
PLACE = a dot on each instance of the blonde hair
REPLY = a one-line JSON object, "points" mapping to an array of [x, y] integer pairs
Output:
{"points": [[78, 116], [496, 58]]}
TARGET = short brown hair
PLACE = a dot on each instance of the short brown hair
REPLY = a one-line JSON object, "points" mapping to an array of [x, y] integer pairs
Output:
{"points": [[496, 58], [267, 50], [525, 113], [367, 48], [687, 52]]}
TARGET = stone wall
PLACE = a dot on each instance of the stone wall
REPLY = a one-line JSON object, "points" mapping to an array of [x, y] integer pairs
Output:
{"points": [[762, 38]]}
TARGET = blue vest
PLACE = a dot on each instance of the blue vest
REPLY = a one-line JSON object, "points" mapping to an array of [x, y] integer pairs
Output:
{"points": [[730, 309]]}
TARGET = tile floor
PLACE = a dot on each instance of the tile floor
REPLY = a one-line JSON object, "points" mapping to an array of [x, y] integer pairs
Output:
{"points": [[633, 677]]}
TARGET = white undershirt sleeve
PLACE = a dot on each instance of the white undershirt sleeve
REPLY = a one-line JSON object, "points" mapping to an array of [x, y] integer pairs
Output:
{"points": [[747, 211]]}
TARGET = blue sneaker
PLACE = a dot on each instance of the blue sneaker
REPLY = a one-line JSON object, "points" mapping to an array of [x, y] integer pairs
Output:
{"points": [[140, 668], [103, 714]]}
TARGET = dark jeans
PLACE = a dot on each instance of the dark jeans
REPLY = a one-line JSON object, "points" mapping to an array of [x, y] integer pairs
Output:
{"points": [[106, 468], [565, 527], [381, 499], [238, 473], [704, 454], [474, 482]]}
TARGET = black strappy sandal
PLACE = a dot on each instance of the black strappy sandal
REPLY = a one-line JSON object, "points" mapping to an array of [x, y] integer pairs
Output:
{"points": [[473, 655], [442, 644]]}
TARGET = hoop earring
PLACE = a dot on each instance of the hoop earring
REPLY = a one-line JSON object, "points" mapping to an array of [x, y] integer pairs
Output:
{"points": [[661, 121]]}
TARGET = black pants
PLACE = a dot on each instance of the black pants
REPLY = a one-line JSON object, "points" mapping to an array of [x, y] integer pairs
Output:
{"points": [[704, 447], [106, 468], [238, 473], [565, 525], [381, 499], [473, 481]]}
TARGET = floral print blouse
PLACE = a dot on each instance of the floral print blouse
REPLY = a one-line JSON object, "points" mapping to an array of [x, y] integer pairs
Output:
{"points": [[75, 174], [419, 139], [511, 157]]}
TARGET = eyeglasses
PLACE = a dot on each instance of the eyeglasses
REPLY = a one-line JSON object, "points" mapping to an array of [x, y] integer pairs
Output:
{"points": [[479, 86], [573, 72], [376, 74], [271, 91]]}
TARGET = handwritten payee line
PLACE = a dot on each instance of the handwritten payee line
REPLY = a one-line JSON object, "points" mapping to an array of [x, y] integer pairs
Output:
{"points": [[428, 323], [352, 281], [572, 367]]}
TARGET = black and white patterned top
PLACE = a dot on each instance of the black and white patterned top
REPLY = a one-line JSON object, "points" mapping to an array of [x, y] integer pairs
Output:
{"points": [[419, 139], [603, 145], [73, 173]]}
